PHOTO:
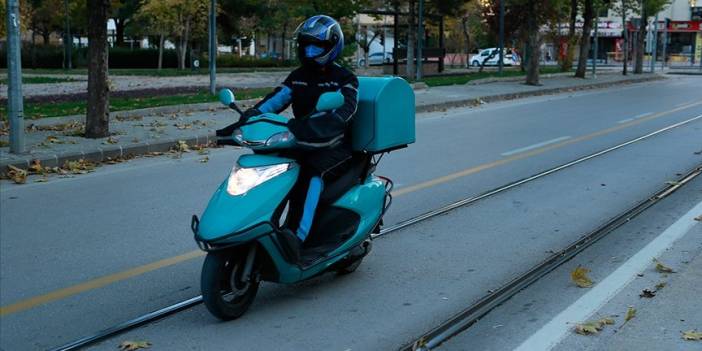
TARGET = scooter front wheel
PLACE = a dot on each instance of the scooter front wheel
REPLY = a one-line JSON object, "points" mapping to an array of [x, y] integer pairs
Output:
{"points": [[227, 294]]}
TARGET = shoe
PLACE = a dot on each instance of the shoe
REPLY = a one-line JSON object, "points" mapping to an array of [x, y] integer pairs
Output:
{"points": [[291, 244]]}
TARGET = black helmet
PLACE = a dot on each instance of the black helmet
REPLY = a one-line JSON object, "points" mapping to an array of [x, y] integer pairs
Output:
{"points": [[319, 40]]}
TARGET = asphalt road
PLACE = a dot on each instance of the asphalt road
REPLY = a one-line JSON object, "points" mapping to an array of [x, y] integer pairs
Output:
{"points": [[80, 254]]}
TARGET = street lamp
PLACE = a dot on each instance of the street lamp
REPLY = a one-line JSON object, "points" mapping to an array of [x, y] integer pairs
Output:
{"points": [[15, 110]]}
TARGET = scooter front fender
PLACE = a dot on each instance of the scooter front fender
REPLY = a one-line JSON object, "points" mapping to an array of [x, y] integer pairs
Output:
{"points": [[226, 214]]}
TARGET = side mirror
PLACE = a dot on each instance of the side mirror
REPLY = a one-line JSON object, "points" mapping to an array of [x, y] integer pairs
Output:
{"points": [[329, 101], [226, 97]]}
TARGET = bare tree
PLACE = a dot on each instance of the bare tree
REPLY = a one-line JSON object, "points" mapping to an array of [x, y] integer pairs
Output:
{"points": [[411, 42], [98, 112], [588, 15]]}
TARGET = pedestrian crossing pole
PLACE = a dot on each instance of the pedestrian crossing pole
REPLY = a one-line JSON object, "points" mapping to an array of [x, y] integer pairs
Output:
{"points": [[14, 78]]}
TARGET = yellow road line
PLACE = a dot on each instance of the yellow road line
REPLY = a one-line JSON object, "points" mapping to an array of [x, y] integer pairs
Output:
{"points": [[96, 283], [113, 278]]}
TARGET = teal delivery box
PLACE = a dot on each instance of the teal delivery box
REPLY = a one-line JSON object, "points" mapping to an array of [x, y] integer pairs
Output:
{"points": [[385, 116]]}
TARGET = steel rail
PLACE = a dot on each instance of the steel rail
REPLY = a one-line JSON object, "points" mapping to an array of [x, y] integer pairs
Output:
{"points": [[466, 318], [180, 306]]}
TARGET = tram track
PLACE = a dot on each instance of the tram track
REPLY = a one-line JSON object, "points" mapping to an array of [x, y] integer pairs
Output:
{"points": [[467, 317]]}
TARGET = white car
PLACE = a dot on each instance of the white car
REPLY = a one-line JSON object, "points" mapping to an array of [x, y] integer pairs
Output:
{"points": [[375, 59], [509, 58]]}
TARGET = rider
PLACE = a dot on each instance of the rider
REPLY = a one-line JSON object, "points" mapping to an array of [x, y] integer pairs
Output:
{"points": [[323, 137]]}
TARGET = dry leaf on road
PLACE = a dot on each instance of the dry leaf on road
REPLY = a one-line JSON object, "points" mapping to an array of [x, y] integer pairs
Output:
{"points": [[580, 278], [592, 327], [134, 345], [647, 293], [17, 175], [36, 167], [182, 146], [699, 218], [692, 335], [204, 160], [630, 314], [661, 268]]}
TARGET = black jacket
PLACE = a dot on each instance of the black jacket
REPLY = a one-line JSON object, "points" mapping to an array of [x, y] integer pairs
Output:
{"points": [[302, 88]]}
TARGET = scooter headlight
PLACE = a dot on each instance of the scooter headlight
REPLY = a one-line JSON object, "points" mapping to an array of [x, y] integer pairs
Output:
{"points": [[278, 138], [241, 179]]}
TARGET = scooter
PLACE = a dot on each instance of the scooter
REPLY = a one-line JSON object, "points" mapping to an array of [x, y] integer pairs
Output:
{"points": [[241, 227]]}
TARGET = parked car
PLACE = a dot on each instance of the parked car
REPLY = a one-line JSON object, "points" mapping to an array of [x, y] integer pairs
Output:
{"points": [[509, 58], [376, 58]]}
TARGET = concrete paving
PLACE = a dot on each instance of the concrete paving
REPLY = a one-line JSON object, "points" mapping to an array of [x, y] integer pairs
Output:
{"points": [[659, 320], [127, 215]]}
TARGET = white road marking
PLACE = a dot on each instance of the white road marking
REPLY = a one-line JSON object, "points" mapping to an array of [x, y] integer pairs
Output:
{"points": [[535, 146], [635, 117], [555, 330]]}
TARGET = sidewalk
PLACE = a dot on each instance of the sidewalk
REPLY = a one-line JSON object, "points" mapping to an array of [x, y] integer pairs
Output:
{"points": [[53, 141]]}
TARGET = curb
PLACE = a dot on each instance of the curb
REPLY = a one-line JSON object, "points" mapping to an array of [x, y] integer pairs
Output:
{"points": [[136, 149], [513, 96], [111, 151]]}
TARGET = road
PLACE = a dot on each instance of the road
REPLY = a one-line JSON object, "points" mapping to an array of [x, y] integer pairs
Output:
{"points": [[81, 254]]}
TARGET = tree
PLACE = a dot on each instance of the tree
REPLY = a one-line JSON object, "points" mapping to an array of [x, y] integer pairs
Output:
{"points": [[98, 113], [122, 13], [588, 15], [159, 20], [647, 8]]}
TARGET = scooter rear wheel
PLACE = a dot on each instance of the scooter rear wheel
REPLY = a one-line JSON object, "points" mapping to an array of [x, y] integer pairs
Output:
{"points": [[224, 292], [349, 267]]}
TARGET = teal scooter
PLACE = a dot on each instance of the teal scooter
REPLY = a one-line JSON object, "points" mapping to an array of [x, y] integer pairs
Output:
{"points": [[241, 225]]}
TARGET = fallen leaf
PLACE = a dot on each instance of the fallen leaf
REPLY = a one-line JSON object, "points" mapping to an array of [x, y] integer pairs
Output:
{"points": [[36, 167], [42, 180], [204, 160], [580, 278], [80, 166], [661, 268], [699, 218], [54, 140], [18, 175], [692, 335], [592, 327], [660, 285], [182, 146], [630, 314], [134, 345], [647, 293], [111, 140]]}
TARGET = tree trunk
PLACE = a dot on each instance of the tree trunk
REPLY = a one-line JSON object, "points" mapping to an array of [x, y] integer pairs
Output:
{"points": [[411, 42], [161, 39], [625, 46], [97, 118], [45, 37], [641, 42], [33, 53], [466, 35], [532, 67], [567, 61], [119, 32], [588, 15]]}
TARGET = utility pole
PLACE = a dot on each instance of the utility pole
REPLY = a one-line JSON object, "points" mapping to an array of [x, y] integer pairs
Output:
{"points": [[625, 35], [14, 78], [213, 46], [68, 39], [420, 38], [665, 42], [595, 47], [501, 43], [655, 44]]}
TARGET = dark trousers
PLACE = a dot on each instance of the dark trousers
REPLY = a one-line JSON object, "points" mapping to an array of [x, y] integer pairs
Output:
{"points": [[328, 164]]}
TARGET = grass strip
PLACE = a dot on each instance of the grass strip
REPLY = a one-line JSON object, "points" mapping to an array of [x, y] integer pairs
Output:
{"points": [[465, 78], [41, 80], [45, 110]]}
